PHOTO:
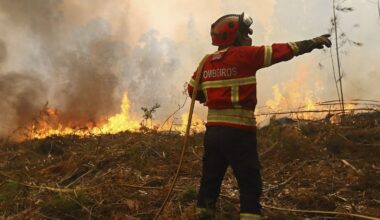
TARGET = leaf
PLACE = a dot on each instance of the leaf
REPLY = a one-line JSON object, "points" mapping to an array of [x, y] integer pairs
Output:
{"points": [[359, 44], [344, 9]]}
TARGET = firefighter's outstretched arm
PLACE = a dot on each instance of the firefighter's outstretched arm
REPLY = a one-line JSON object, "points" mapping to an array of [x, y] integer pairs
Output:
{"points": [[307, 46], [278, 52]]}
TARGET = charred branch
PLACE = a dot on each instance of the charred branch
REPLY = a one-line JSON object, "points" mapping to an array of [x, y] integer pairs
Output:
{"points": [[315, 111]]}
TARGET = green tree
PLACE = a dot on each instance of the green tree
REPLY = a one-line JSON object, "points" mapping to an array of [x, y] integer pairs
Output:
{"points": [[148, 115]]}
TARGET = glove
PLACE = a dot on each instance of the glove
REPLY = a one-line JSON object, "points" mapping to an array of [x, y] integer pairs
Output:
{"points": [[307, 46], [322, 41], [201, 97]]}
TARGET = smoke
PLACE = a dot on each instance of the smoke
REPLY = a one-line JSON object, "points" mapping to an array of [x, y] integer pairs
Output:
{"points": [[76, 69], [151, 72], [82, 56], [80, 66], [21, 98], [89, 74], [21, 95], [40, 16], [3, 51]]}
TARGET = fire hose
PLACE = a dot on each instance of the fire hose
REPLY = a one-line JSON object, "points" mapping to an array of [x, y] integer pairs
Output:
{"points": [[186, 139]]}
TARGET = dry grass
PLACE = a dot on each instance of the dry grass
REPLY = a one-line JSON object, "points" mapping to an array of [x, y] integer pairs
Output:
{"points": [[125, 176]]}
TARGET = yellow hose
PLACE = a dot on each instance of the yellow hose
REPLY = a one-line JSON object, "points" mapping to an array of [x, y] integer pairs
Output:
{"points": [[186, 140]]}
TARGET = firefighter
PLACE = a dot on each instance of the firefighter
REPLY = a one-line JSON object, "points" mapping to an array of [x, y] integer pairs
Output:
{"points": [[228, 88]]}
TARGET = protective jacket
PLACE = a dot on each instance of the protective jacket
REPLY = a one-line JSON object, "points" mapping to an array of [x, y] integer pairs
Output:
{"points": [[228, 82]]}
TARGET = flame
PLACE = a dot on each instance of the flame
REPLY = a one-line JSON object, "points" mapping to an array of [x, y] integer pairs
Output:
{"points": [[294, 95], [120, 122], [197, 124], [349, 107], [48, 125], [301, 101], [293, 100]]}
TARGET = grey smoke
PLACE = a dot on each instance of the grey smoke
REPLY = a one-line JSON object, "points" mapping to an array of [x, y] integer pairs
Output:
{"points": [[21, 99], [42, 17], [81, 67], [151, 71], [82, 70], [91, 73], [3, 51]]}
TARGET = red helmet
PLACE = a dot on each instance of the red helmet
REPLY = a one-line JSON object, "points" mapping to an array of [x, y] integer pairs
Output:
{"points": [[226, 29]]}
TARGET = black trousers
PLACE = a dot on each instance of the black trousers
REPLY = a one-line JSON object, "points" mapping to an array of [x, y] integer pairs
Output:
{"points": [[226, 146]]}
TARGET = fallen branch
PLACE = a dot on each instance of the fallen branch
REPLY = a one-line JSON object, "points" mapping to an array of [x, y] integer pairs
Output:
{"points": [[277, 172], [345, 162], [287, 180], [5, 175], [175, 112], [314, 111], [76, 179], [195, 153], [281, 184], [309, 211], [268, 150], [350, 103], [355, 100], [52, 188], [46, 217], [354, 142], [141, 187], [84, 208], [321, 212]]}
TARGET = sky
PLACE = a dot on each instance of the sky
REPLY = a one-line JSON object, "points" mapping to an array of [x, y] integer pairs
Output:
{"points": [[82, 56]]}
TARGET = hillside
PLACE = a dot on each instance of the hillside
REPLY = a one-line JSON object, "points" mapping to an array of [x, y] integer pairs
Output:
{"points": [[308, 165]]}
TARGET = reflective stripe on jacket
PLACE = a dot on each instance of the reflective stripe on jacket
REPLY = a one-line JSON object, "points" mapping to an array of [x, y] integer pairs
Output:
{"points": [[228, 82]]}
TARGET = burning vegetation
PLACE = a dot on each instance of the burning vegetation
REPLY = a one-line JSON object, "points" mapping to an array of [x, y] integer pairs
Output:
{"points": [[59, 165], [47, 124], [309, 165], [82, 138], [316, 159]]}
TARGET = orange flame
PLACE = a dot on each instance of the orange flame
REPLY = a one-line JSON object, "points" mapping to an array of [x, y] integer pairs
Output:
{"points": [[291, 96], [197, 124], [295, 96], [47, 124], [120, 122]]}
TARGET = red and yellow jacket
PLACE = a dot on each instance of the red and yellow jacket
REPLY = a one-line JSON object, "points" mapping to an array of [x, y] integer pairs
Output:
{"points": [[228, 82]]}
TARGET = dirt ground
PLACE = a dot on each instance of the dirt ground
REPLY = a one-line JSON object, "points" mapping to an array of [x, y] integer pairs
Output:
{"points": [[306, 165]]}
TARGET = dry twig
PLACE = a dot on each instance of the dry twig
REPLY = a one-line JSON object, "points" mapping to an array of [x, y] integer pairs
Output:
{"points": [[141, 187], [345, 138], [352, 167], [321, 212], [195, 153], [53, 189], [314, 111], [268, 150]]}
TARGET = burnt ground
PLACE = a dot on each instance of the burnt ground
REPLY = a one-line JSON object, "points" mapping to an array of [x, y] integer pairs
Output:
{"points": [[308, 165]]}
